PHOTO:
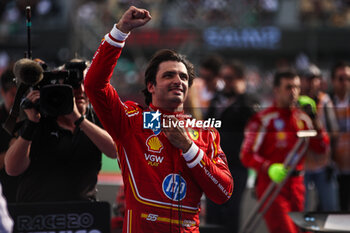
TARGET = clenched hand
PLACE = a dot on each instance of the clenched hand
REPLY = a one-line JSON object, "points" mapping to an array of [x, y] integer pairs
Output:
{"points": [[177, 136], [133, 18]]}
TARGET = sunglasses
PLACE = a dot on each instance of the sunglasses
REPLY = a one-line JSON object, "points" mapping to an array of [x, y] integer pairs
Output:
{"points": [[343, 78]]}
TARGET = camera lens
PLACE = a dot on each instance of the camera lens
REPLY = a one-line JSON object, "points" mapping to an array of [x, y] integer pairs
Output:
{"points": [[56, 99]]}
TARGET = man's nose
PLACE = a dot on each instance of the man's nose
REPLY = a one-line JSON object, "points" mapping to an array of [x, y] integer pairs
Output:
{"points": [[177, 79], [79, 88], [295, 91]]}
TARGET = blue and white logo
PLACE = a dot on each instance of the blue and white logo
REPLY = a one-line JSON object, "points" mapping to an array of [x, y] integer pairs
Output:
{"points": [[151, 120], [279, 124], [174, 187]]}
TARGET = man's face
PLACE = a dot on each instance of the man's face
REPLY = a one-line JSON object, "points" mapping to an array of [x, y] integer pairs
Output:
{"points": [[287, 93], [316, 85], [9, 97], [305, 86], [80, 98], [170, 90], [233, 83], [206, 75], [341, 81], [311, 86]]}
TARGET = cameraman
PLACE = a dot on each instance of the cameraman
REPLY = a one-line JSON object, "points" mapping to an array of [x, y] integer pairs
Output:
{"points": [[8, 92], [58, 158]]}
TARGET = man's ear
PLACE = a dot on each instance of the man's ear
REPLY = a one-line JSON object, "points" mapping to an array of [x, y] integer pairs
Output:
{"points": [[150, 87], [275, 90]]}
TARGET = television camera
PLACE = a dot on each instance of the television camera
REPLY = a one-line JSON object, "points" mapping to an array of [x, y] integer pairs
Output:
{"points": [[56, 87]]}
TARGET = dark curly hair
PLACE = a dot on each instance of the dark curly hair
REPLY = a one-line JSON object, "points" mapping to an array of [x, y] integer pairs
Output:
{"points": [[281, 74], [152, 69], [337, 65], [7, 80]]}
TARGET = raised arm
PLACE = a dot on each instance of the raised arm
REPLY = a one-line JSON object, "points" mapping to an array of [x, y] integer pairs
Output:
{"points": [[253, 137], [109, 108], [97, 135], [17, 156]]}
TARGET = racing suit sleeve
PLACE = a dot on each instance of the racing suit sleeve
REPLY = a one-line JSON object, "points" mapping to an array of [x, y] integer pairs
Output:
{"points": [[210, 169], [254, 134], [320, 143], [111, 111]]}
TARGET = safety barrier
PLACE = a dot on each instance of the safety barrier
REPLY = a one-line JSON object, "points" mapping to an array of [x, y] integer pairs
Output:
{"points": [[61, 217]]}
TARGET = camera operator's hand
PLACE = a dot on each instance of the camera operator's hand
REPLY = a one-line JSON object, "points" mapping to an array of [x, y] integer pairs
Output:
{"points": [[75, 114], [68, 121], [133, 18], [97, 135], [32, 113]]}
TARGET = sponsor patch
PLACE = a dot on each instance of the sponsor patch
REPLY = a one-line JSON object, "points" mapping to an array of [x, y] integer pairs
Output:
{"points": [[130, 110], [193, 134], [279, 124], [300, 124], [153, 160], [151, 120], [174, 187], [154, 144], [281, 136]]}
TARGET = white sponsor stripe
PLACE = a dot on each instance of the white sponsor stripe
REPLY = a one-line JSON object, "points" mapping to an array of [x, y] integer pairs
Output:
{"points": [[118, 35], [197, 160], [111, 42], [132, 114], [265, 120], [261, 133], [307, 120], [191, 153], [306, 133], [258, 140], [127, 224]]}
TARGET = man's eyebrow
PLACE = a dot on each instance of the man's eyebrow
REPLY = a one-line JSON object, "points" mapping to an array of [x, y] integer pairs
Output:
{"points": [[172, 72], [183, 73], [169, 72]]}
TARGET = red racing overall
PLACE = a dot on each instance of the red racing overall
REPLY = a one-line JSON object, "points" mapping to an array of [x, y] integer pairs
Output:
{"points": [[269, 136], [163, 186]]}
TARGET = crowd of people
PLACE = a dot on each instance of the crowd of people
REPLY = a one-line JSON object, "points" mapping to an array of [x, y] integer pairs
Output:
{"points": [[167, 169], [265, 133], [322, 174]]}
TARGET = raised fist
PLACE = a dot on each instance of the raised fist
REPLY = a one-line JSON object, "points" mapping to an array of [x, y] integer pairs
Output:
{"points": [[133, 18]]}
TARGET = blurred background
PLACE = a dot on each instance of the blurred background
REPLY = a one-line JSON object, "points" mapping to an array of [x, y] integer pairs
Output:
{"points": [[263, 34]]}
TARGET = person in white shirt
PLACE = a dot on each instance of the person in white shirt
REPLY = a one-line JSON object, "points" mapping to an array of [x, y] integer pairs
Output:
{"points": [[6, 222]]}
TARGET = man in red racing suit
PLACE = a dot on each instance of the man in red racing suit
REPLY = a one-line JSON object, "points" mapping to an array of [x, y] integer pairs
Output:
{"points": [[269, 136], [164, 173]]}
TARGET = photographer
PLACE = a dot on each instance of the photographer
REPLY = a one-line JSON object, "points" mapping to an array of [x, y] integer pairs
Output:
{"points": [[8, 91], [58, 158]]}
